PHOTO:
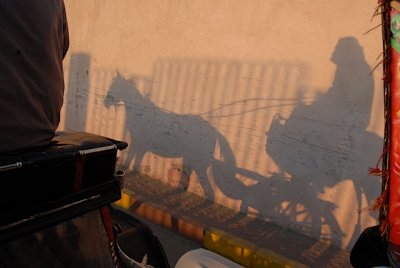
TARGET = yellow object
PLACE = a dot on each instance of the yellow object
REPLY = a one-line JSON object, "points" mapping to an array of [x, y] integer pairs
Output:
{"points": [[238, 250], [243, 252], [125, 201], [267, 258]]}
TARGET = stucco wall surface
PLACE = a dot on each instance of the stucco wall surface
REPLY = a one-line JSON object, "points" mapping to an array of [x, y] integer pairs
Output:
{"points": [[264, 106]]}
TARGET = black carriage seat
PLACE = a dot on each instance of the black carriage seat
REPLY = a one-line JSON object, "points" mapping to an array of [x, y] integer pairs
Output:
{"points": [[44, 186]]}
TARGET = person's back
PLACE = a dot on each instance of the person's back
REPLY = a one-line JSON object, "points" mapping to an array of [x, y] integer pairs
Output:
{"points": [[33, 43]]}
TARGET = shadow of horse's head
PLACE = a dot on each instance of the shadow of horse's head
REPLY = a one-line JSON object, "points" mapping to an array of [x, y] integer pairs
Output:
{"points": [[121, 90]]}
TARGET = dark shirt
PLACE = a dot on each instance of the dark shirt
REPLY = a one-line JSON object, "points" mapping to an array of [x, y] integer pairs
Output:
{"points": [[33, 42]]}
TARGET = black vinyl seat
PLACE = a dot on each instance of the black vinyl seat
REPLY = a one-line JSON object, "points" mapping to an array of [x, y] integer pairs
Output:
{"points": [[44, 186]]}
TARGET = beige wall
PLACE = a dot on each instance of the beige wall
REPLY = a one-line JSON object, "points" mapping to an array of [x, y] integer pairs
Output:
{"points": [[264, 106]]}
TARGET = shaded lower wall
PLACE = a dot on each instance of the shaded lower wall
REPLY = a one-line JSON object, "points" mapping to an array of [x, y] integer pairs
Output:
{"points": [[263, 107]]}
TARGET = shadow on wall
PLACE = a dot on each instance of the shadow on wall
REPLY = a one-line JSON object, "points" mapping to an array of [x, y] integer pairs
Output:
{"points": [[77, 92], [172, 115], [325, 143]]}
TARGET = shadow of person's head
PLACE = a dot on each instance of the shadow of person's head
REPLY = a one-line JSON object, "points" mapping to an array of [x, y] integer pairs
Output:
{"points": [[347, 51], [353, 87]]}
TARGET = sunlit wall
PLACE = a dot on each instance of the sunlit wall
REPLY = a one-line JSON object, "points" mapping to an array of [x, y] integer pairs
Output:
{"points": [[265, 106]]}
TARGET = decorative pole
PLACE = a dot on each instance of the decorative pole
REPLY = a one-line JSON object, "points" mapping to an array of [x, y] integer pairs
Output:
{"points": [[380, 245], [389, 201]]}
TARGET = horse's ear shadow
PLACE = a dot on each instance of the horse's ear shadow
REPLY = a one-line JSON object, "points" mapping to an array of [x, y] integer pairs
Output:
{"points": [[121, 83], [117, 75], [121, 79]]}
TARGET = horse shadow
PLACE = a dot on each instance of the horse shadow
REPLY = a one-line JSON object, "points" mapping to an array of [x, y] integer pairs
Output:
{"points": [[327, 142], [202, 149]]}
